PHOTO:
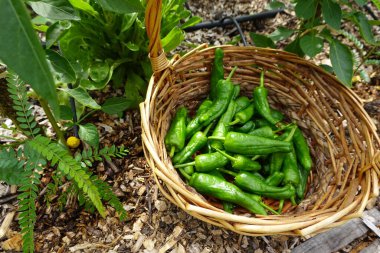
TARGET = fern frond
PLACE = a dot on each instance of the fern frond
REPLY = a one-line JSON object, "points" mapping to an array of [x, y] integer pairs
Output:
{"points": [[27, 207], [57, 154], [353, 39], [18, 94], [356, 57], [10, 167], [364, 76], [372, 62], [87, 157]]}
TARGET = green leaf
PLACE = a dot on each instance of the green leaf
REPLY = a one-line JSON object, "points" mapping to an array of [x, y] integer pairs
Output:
{"points": [[128, 20], [311, 45], [260, 40], [295, 48], [121, 6], [56, 31], [132, 46], [364, 28], [10, 167], [274, 5], [281, 33], [116, 105], [173, 39], [65, 112], [81, 95], [21, 51], [332, 13], [89, 134], [306, 8], [328, 68], [135, 89], [191, 22], [377, 3], [62, 70], [99, 71], [54, 9], [83, 6], [342, 62], [361, 2]]}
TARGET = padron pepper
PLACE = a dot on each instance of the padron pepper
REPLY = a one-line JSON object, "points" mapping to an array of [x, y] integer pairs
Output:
{"points": [[290, 169], [260, 100], [242, 103], [247, 127], [246, 144], [203, 107], [302, 150], [227, 206], [222, 127], [244, 115], [223, 190], [301, 187], [241, 162], [206, 162], [265, 131], [275, 179], [217, 72], [176, 135]]}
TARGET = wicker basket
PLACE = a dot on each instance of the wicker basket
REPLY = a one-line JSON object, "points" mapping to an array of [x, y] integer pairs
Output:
{"points": [[343, 140]]}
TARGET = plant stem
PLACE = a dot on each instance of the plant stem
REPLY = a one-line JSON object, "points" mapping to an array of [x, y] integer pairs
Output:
{"points": [[52, 120]]}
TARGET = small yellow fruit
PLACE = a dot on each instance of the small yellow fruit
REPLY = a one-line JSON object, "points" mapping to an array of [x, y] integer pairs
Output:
{"points": [[73, 142]]}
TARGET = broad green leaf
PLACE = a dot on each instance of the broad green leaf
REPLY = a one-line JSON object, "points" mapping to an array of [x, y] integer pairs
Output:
{"points": [[82, 97], [173, 39], [295, 48], [274, 5], [65, 112], [89, 134], [260, 40], [306, 8], [10, 167], [55, 9], [377, 3], [361, 2], [281, 33], [191, 22], [135, 89], [364, 28], [84, 6], [116, 105], [311, 45], [99, 71], [22, 52], [121, 6], [62, 70], [342, 62], [56, 31], [332, 13], [328, 68], [128, 20], [132, 46]]}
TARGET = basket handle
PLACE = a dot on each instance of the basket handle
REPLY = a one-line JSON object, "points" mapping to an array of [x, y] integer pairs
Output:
{"points": [[153, 15]]}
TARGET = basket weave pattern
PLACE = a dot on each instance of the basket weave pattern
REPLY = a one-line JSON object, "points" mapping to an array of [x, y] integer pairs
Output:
{"points": [[343, 140]]}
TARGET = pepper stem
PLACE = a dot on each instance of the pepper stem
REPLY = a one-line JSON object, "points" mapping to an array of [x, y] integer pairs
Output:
{"points": [[283, 127], [255, 157], [280, 206], [208, 128], [226, 155], [234, 174], [293, 200], [187, 176], [234, 122], [218, 138], [231, 73], [268, 208], [290, 136], [184, 165], [172, 150], [262, 79]]}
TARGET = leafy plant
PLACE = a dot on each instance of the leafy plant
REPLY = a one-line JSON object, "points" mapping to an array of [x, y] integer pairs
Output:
{"points": [[321, 23]]}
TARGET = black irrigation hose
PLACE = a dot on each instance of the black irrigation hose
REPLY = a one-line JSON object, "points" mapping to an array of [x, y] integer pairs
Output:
{"points": [[370, 12], [224, 22], [74, 111], [238, 28]]}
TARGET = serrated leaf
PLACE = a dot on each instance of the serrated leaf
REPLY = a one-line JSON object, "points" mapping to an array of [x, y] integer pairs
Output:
{"points": [[281, 33], [10, 167], [342, 62], [332, 13], [306, 8], [121, 6], [172, 39], [22, 52], [54, 9], [361, 2], [311, 45], [61, 68], [89, 134], [260, 40], [82, 97], [56, 31], [365, 28], [99, 71], [115, 105]]}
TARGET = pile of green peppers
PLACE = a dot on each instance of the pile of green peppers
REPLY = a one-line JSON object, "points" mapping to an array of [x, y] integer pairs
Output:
{"points": [[238, 149]]}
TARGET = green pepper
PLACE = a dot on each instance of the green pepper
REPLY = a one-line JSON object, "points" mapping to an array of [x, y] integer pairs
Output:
{"points": [[290, 169], [246, 144], [227, 206], [176, 135], [301, 187], [242, 103], [260, 200], [302, 150], [223, 190], [275, 179], [222, 127], [244, 115], [252, 183], [204, 106], [265, 131], [197, 142], [260, 100], [217, 72], [259, 122], [248, 126], [276, 114], [241, 162], [225, 90], [236, 91], [206, 162]]}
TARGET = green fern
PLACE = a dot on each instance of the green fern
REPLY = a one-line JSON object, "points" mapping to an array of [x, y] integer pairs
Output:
{"points": [[353, 39], [27, 207], [87, 157], [10, 166], [57, 154], [372, 62], [25, 117]]}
